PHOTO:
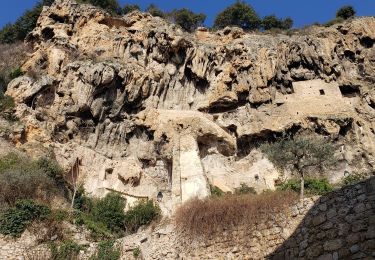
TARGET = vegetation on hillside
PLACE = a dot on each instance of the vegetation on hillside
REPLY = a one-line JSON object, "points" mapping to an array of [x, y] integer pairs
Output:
{"points": [[299, 154], [188, 20], [238, 14]]}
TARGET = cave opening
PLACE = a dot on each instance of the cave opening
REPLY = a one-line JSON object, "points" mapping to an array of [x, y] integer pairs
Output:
{"points": [[349, 91]]}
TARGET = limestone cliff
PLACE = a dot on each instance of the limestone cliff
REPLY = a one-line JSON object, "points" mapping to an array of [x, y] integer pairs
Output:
{"points": [[148, 108]]}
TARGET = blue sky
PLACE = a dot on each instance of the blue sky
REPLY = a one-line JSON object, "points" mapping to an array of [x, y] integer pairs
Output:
{"points": [[303, 12]]}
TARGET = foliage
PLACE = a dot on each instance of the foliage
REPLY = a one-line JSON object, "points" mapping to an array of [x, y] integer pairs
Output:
{"points": [[239, 14], [17, 72], [98, 229], [272, 22], [111, 6], [23, 178], [216, 191], [312, 186], [68, 249], [300, 153], [11, 33], [16, 219], [137, 252], [345, 12], [128, 8], [245, 189], [106, 251], [155, 11], [141, 214], [110, 211], [187, 19], [352, 178], [215, 214]]}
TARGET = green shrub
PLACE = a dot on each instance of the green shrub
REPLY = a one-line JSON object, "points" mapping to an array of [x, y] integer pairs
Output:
{"points": [[66, 250], [312, 186], [155, 11], [97, 229], [16, 219], [141, 214], [245, 189], [17, 72], [137, 252], [216, 191], [345, 12], [352, 179], [110, 211], [239, 14], [187, 19], [106, 251]]}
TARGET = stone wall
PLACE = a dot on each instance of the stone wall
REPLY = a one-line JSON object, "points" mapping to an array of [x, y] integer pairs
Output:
{"points": [[339, 225]]}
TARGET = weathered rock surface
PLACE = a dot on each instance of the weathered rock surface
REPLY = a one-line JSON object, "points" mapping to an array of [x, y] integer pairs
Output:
{"points": [[121, 93], [148, 108]]}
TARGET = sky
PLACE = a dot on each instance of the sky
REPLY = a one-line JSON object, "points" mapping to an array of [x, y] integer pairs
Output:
{"points": [[303, 12]]}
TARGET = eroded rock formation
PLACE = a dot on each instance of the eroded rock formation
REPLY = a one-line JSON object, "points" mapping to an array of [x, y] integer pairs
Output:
{"points": [[148, 108]]}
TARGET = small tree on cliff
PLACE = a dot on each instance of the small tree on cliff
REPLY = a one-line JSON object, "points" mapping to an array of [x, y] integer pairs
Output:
{"points": [[188, 20], [239, 14], [345, 12], [300, 153]]}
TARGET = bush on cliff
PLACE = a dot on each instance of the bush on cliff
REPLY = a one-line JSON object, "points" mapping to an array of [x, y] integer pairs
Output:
{"points": [[141, 214], [187, 19], [16, 219], [312, 186], [238, 14], [345, 12], [24, 178]]}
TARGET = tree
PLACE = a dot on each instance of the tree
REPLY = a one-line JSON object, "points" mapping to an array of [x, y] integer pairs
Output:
{"points": [[188, 20], [272, 22], [128, 8], [300, 153], [11, 33], [155, 11], [239, 14], [111, 6], [345, 12]]}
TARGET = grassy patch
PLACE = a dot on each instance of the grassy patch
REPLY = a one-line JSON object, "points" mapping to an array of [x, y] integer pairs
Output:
{"points": [[107, 251], [68, 249], [312, 186]]}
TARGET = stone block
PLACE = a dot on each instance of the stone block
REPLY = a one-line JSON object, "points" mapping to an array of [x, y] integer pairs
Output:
{"points": [[354, 249], [370, 232], [319, 219], [325, 257], [333, 244]]}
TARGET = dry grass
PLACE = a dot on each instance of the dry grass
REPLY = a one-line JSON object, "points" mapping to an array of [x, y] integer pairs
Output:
{"points": [[206, 217]]}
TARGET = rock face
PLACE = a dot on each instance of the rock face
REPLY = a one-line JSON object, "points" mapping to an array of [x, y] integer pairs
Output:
{"points": [[148, 108]]}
